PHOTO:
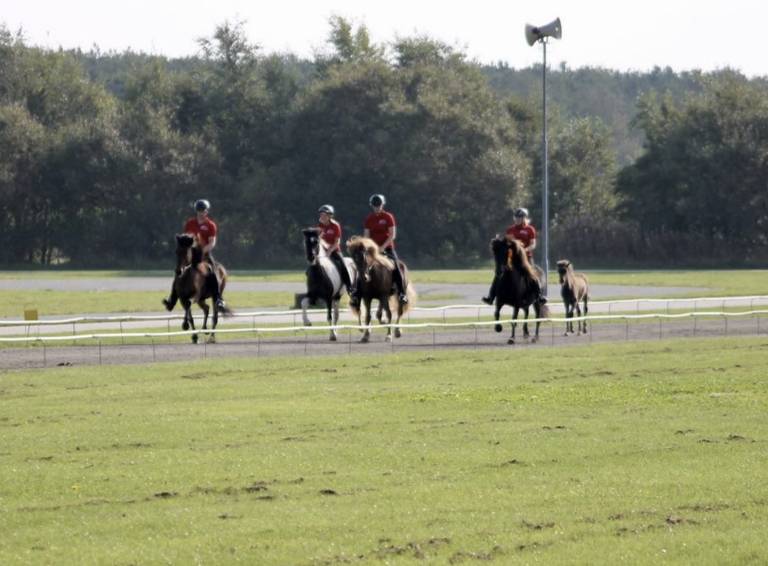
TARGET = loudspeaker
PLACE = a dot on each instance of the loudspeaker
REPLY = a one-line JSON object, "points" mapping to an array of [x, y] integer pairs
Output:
{"points": [[552, 29]]}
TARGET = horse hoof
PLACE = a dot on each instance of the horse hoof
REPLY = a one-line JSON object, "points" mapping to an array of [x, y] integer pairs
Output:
{"points": [[364, 340], [195, 338], [389, 338], [534, 340], [307, 322], [185, 325], [212, 340], [511, 341], [333, 338], [497, 328], [398, 333]]}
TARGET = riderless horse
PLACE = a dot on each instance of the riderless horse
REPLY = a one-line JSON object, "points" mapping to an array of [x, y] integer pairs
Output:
{"points": [[575, 288], [375, 282], [518, 285], [192, 283], [323, 279]]}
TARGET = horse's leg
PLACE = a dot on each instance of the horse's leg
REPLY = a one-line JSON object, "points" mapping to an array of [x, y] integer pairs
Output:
{"points": [[526, 334], [586, 310], [398, 332], [333, 306], [496, 311], [385, 306], [577, 312], [514, 325], [214, 322], [537, 313], [367, 332], [189, 322], [304, 305], [568, 318], [335, 319]]}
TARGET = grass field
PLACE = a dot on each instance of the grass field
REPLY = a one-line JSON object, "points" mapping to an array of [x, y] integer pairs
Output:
{"points": [[54, 302], [637, 453]]}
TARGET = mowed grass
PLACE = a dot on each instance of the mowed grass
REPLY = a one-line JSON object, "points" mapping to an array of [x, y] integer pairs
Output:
{"points": [[51, 302], [638, 453]]}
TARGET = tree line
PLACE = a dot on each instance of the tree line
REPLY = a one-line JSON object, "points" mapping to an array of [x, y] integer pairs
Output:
{"points": [[101, 155]]}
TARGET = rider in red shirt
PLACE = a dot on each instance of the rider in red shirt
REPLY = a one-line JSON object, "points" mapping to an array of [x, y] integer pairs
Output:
{"points": [[380, 226], [330, 239], [206, 230], [524, 233]]}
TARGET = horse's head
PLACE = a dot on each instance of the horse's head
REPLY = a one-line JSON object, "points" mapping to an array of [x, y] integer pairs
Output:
{"points": [[563, 267], [184, 245], [312, 244], [357, 251]]}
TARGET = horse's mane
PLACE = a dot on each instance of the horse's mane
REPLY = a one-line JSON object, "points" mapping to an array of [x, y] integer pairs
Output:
{"points": [[359, 243], [519, 257]]}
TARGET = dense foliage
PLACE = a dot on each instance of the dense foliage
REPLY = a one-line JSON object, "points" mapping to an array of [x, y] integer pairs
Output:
{"points": [[102, 154]]}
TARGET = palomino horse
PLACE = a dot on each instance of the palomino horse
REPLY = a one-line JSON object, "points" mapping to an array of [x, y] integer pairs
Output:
{"points": [[323, 279], [374, 282], [192, 284], [575, 288], [517, 286]]}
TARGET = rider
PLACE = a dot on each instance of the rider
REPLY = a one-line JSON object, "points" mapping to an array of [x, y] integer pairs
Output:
{"points": [[330, 239], [380, 227], [525, 233], [205, 229]]}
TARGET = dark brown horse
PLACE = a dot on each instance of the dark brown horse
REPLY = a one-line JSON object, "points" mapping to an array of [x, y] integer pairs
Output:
{"points": [[375, 282], [518, 285], [193, 284], [575, 288]]}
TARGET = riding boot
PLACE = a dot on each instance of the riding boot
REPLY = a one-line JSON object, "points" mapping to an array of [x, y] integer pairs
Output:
{"points": [[490, 298], [401, 296], [540, 299]]}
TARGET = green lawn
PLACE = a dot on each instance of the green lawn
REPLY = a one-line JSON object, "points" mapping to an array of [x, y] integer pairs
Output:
{"points": [[637, 453]]}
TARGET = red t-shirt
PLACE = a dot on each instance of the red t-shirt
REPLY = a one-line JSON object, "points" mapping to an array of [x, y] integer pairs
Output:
{"points": [[330, 232], [523, 233], [378, 227], [204, 231]]}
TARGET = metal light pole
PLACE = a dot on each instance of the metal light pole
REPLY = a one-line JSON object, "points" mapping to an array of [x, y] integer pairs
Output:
{"points": [[533, 35]]}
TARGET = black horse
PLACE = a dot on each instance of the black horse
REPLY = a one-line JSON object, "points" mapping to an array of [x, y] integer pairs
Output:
{"points": [[193, 284], [323, 279], [517, 286]]}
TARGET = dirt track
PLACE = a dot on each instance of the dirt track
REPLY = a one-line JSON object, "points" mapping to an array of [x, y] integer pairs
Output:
{"points": [[482, 337]]}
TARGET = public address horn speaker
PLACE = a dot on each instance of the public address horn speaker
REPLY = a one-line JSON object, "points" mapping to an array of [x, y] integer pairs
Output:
{"points": [[552, 29]]}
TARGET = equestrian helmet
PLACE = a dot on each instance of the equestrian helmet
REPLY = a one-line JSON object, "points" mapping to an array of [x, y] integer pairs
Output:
{"points": [[521, 213], [202, 205], [377, 200], [327, 208]]}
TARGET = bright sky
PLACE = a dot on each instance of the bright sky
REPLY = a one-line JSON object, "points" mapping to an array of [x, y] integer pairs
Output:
{"points": [[615, 34]]}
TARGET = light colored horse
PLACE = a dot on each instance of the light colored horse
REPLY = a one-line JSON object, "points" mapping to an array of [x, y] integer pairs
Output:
{"points": [[323, 280], [575, 288]]}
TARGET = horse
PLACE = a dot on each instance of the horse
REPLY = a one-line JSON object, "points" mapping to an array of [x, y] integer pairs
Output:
{"points": [[575, 288], [518, 285], [191, 284], [375, 282], [323, 279]]}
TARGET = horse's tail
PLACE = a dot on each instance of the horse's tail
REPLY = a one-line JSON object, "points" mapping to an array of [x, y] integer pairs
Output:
{"points": [[544, 312], [226, 311]]}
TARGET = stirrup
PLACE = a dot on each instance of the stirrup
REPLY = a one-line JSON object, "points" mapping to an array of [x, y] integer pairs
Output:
{"points": [[354, 301], [221, 305], [403, 299], [542, 300], [488, 300]]}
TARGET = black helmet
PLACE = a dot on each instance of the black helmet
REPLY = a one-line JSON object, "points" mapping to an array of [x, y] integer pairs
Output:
{"points": [[202, 205], [521, 213], [377, 200], [327, 208]]}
